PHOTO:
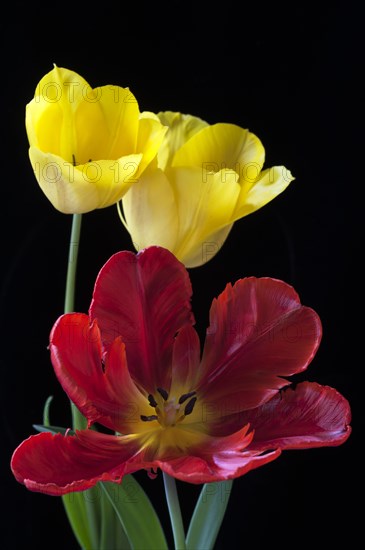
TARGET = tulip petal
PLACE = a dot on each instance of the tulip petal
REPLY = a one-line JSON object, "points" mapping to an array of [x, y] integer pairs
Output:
{"points": [[57, 464], [145, 299], [121, 114], [258, 333], [80, 189], [308, 416], [181, 128], [185, 361], [217, 459], [150, 211], [258, 191], [101, 387], [205, 203], [150, 136], [209, 247], [222, 146]]}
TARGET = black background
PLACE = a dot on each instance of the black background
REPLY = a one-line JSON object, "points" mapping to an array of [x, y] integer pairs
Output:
{"points": [[292, 76]]}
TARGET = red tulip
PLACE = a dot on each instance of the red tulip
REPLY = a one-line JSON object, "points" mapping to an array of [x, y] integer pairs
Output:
{"points": [[133, 365]]}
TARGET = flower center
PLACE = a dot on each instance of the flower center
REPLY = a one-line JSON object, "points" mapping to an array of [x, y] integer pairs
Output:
{"points": [[169, 410]]}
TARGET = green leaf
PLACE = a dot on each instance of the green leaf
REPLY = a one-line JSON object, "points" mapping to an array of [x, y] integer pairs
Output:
{"points": [[112, 534], [76, 513], [52, 429], [83, 510], [208, 515], [136, 514], [47, 405]]}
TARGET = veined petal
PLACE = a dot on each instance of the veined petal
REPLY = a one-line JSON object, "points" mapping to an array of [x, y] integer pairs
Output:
{"points": [[150, 211], [258, 333], [99, 385], [205, 203], [197, 470], [145, 299], [260, 190], [79, 189], [222, 146], [181, 128], [217, 459], [308, 416], [185, 361], [57, 464]]}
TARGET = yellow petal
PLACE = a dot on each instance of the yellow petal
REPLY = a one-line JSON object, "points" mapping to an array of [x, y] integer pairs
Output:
{"points": [[150, 136], [222, 146], [205, 202], [121, 114], [79, 189], [210, 247], [150, 211], [149, 114], [269, 184], [181, 129]]}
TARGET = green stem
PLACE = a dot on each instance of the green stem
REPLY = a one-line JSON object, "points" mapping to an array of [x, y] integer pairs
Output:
{"points": [[72, 263], [174, 511], [78, 420]]}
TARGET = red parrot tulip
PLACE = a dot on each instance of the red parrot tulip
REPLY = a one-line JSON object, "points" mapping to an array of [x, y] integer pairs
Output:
{"points": [[133, 365]]}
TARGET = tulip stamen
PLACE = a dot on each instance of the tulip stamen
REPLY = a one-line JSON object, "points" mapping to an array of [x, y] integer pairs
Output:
{"points": [[186, 396], [152, 401], [149, 418], [164, 394], [190, 406]]}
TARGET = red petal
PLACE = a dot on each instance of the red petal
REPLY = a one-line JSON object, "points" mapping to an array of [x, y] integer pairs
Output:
{"points": [[258, 332], [185, 361], [104, 392], [145, 299], [217, 459], [57, 464], [309, 416]]}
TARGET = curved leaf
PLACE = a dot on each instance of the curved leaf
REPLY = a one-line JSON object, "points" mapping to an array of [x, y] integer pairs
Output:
{"points": [[136, 514], [208, 515]]}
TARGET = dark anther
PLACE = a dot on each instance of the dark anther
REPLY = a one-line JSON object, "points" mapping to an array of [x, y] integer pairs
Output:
{"points": [[186, 396], [152, 401], [103, 365], [163, 393], [148, 418], [190, 406], [73, 160]]}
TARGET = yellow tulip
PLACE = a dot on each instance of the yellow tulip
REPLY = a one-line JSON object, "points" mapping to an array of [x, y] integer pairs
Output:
{"points": [[204, 178], [87, 146]]}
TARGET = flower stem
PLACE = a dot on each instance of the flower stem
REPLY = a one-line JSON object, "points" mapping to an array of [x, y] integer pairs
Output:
{"points": [[72, 263], [174, 511], [78, 420]]}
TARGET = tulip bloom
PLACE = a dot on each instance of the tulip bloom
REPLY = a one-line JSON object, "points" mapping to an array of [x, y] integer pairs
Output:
{"points": [[205, 178], [133, 365], [87, 146]]}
